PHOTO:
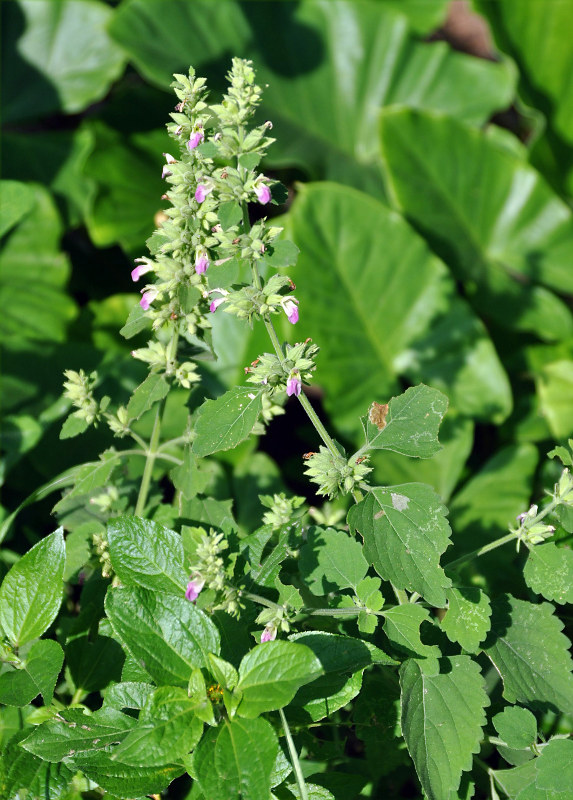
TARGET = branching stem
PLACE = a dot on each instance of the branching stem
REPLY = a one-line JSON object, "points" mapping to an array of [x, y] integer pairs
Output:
{"points": [[294, 758]]}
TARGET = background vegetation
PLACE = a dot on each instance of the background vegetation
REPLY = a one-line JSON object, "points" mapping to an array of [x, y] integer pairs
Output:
{"points": [[429, 195]]}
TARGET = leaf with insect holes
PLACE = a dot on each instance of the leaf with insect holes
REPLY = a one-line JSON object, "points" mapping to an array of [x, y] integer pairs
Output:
{"points": [[405, 532], [227, 421], [408, 424]]}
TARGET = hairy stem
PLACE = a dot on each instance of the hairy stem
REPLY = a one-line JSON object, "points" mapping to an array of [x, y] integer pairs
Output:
{"points": [[294, 758]]}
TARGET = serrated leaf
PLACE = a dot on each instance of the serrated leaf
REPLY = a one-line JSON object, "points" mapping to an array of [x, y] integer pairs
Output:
{"points": [[167, 729], [555, 766], [343, 660], [531, 654], [271, 674], [137, 321], [153, 389], [144, 553], [31, 592], [224, 423], [167, 635], [467, 619], [516, 726], [73, 732], [26, 772], [38, 675], [128, 694], [549, 572], [405, 532], [236, 760], [93, 475], [411, 424], [402, 627], [442, 718], [331, 559]]}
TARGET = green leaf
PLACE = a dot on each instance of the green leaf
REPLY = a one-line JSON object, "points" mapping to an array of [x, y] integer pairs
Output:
{"points": [[168, 636], [92, 476], [343, 660], [224, 423], [549, 572], [128, 694], [137, 321], [271, 674], [499, 226], [16, 200], [516, 726], [442, 718], [467, 619], [410, 425], [166, 730], [74, 731], [38, 675], [322, 100], [405, 532], [146, 554], [25, 772], [69, 78], [555, 766], [400, 321], [331, 559], [31, 592], [229, 213], [515, 781], [402, 627], [153, 389], [236, 760], [554, 384], [122, 780], [531, 654], [34, 276], [94, 662]]}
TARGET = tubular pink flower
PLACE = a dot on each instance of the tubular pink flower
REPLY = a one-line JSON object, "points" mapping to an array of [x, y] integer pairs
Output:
{"points": [[215, 304], [169, 158], [263, 193], [294, 385], [269, 634], [201, 262], [140, 270], [195, 140], [290, 307], [202, 191], [147, 298], [166, 172], [194, 589]]}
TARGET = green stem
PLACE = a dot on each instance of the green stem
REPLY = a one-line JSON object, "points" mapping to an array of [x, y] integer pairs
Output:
{"points": [[77, 696], [137, 438], [401, 595], [294, 758], [510, 537], [150, 460], [257, 598]]}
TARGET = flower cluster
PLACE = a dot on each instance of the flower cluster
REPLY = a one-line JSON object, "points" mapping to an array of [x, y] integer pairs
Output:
{"points": [[531, 530], [281, 508], [208, 571], [333, 473], [79, 389], [285, 374]]}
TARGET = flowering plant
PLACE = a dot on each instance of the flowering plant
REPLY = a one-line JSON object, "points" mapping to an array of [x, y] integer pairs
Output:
{"points": [[230, 653]]}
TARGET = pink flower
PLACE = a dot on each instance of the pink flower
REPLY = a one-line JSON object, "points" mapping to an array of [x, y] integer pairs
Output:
{"points": [[215, 304], [290, 307], [165, 172], [169, 158], [196, 139], [269, 634], [202, 191], [144, 267], [147, 298], [294, 384], [193, 589], [263, 193], [201, 262]]}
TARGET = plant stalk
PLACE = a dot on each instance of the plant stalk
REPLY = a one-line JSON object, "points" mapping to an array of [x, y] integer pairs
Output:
{"points": [[294, 758]]}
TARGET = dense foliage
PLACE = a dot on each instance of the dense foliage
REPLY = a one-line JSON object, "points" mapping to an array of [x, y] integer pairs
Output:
{"points": [[264, 576]]}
